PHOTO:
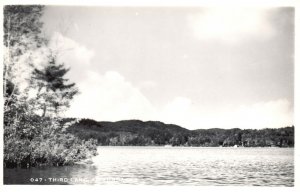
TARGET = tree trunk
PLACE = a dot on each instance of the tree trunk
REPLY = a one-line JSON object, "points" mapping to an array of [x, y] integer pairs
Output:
{"points": [[44, 110]]}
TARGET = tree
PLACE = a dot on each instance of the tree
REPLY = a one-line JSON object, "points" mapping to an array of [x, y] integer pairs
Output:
{"points": [[22, 36], [53, 91], [31, 139]]}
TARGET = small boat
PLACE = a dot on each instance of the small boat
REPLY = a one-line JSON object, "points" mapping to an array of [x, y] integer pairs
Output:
{"points": [[235, 146], [168, 145]]}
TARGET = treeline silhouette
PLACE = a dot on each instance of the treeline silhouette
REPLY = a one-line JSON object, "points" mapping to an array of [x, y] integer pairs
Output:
{"points": [[151, 133]]}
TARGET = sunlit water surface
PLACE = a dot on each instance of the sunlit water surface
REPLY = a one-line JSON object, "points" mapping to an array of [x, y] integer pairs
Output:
{"points": [[170, 166]]}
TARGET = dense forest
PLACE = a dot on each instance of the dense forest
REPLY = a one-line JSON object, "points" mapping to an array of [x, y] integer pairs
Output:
{"points": [[35, 94], [139, 133]]}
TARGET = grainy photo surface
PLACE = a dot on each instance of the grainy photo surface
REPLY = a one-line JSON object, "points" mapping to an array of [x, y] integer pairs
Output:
{"points": [[184, 96]]}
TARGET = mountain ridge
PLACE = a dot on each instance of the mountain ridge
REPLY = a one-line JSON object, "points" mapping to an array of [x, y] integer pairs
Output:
{"points": [[138, 132]]}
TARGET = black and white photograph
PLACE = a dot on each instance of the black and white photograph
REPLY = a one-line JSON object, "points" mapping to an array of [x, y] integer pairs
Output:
{"points": [[148, 95]]}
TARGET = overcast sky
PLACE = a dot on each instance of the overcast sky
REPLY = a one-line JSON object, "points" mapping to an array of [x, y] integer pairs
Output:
{"points": [[195, 67]]}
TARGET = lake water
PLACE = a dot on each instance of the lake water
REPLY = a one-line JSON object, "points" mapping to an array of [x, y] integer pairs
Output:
{"points": [[170, 166]]}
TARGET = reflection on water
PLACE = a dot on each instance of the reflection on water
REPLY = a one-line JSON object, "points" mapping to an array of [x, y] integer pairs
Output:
{"points": [[172, 166]]}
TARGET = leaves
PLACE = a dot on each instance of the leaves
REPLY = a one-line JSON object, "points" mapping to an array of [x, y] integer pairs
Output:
{"points": [[32, 139], [54, 94], [133, 132]]}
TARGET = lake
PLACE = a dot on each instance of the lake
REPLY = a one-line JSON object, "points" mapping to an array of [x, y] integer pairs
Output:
{"points": [[200, 166]]}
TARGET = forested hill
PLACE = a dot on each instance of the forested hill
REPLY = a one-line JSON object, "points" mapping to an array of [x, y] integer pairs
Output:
{"points": [[140, 133]]}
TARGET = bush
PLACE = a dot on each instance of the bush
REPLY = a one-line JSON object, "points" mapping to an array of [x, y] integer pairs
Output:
{"points": [[51, 146]]}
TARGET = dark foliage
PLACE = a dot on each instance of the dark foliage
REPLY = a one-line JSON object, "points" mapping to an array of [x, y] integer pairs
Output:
{"points": [[31, 139], [135, 132], [54, 91]]}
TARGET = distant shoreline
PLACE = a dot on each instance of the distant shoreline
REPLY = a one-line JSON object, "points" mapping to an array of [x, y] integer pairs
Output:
{"points": [[156, 133]]}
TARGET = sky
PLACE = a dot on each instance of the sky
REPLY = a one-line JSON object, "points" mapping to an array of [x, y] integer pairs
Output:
{"points": [[197, 67]]}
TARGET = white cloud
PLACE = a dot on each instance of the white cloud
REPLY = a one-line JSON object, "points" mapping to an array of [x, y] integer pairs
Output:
{"points": [[276, 113], [180, 111], [147, 85], [71, 53], [176, 109], [67, 46], [110, 97], [272, 114], [230, 24]]}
